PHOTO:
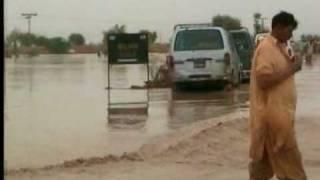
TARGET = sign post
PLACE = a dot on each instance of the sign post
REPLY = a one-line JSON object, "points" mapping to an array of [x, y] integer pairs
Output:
{"points": [[127, 49]]}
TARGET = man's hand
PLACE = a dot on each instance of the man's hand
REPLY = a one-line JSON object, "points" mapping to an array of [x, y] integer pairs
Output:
{"points": [[296, 63], [268, 80]]}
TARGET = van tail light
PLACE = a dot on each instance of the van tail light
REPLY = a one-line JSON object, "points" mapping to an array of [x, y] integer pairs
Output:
{"points": [[170, 62], [227, 59]]}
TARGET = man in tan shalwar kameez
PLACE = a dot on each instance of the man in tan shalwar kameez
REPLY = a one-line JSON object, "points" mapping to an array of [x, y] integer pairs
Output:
{"points": [[273, 147]]}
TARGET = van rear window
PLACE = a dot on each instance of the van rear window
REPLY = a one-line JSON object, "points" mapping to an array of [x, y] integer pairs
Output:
{"points": [[208, 39]]}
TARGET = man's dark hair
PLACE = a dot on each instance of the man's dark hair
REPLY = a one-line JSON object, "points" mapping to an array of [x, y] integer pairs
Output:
{"points": [[284, 19]]}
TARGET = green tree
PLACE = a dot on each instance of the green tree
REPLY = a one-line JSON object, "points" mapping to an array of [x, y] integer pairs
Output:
{"points": [[76, 39], [58, 45], [118, 29], [152, 36], [27, 39], [226, 22], [12, 38], [42, 41]]}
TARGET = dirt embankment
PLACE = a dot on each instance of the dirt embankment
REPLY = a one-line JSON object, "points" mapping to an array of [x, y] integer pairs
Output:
{"points": [[204, 150]]}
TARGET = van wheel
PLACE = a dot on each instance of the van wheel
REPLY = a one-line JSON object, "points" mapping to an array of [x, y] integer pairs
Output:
{"points": [[178, 86], [240, 78], [235, 79]]}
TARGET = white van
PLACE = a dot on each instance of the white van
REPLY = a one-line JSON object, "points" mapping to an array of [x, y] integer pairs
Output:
{"points": [[203, 53]]}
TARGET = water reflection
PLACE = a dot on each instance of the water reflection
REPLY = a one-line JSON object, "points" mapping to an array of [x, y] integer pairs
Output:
{"points": [[127, 108], [189, 106], [127, 117]]}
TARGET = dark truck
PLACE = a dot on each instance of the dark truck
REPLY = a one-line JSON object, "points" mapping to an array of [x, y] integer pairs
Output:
{"points": [[245, 49]]}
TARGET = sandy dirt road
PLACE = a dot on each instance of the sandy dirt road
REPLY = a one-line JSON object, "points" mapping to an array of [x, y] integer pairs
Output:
{"points": [[212, 149]]}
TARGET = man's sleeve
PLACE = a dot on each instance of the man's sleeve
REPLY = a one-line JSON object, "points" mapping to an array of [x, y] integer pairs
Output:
{"points": [[264, 65]]}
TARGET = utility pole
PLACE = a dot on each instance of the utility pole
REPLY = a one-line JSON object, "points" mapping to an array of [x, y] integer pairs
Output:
{"points": [[262, 22], [5, 18], [28, 16]]}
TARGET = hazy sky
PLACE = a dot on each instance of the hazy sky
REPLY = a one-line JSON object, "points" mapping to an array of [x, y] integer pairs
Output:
{"points": [[91, 17]]}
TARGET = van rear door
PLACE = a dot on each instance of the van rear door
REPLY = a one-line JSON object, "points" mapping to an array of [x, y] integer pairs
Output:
{"points": [[199, 51]]}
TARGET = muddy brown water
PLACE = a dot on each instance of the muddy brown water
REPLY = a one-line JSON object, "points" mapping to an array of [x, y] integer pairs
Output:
{"points": [[56, 107]]}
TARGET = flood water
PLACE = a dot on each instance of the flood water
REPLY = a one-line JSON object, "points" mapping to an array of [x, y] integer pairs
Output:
{"points": [[57, 107]]}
